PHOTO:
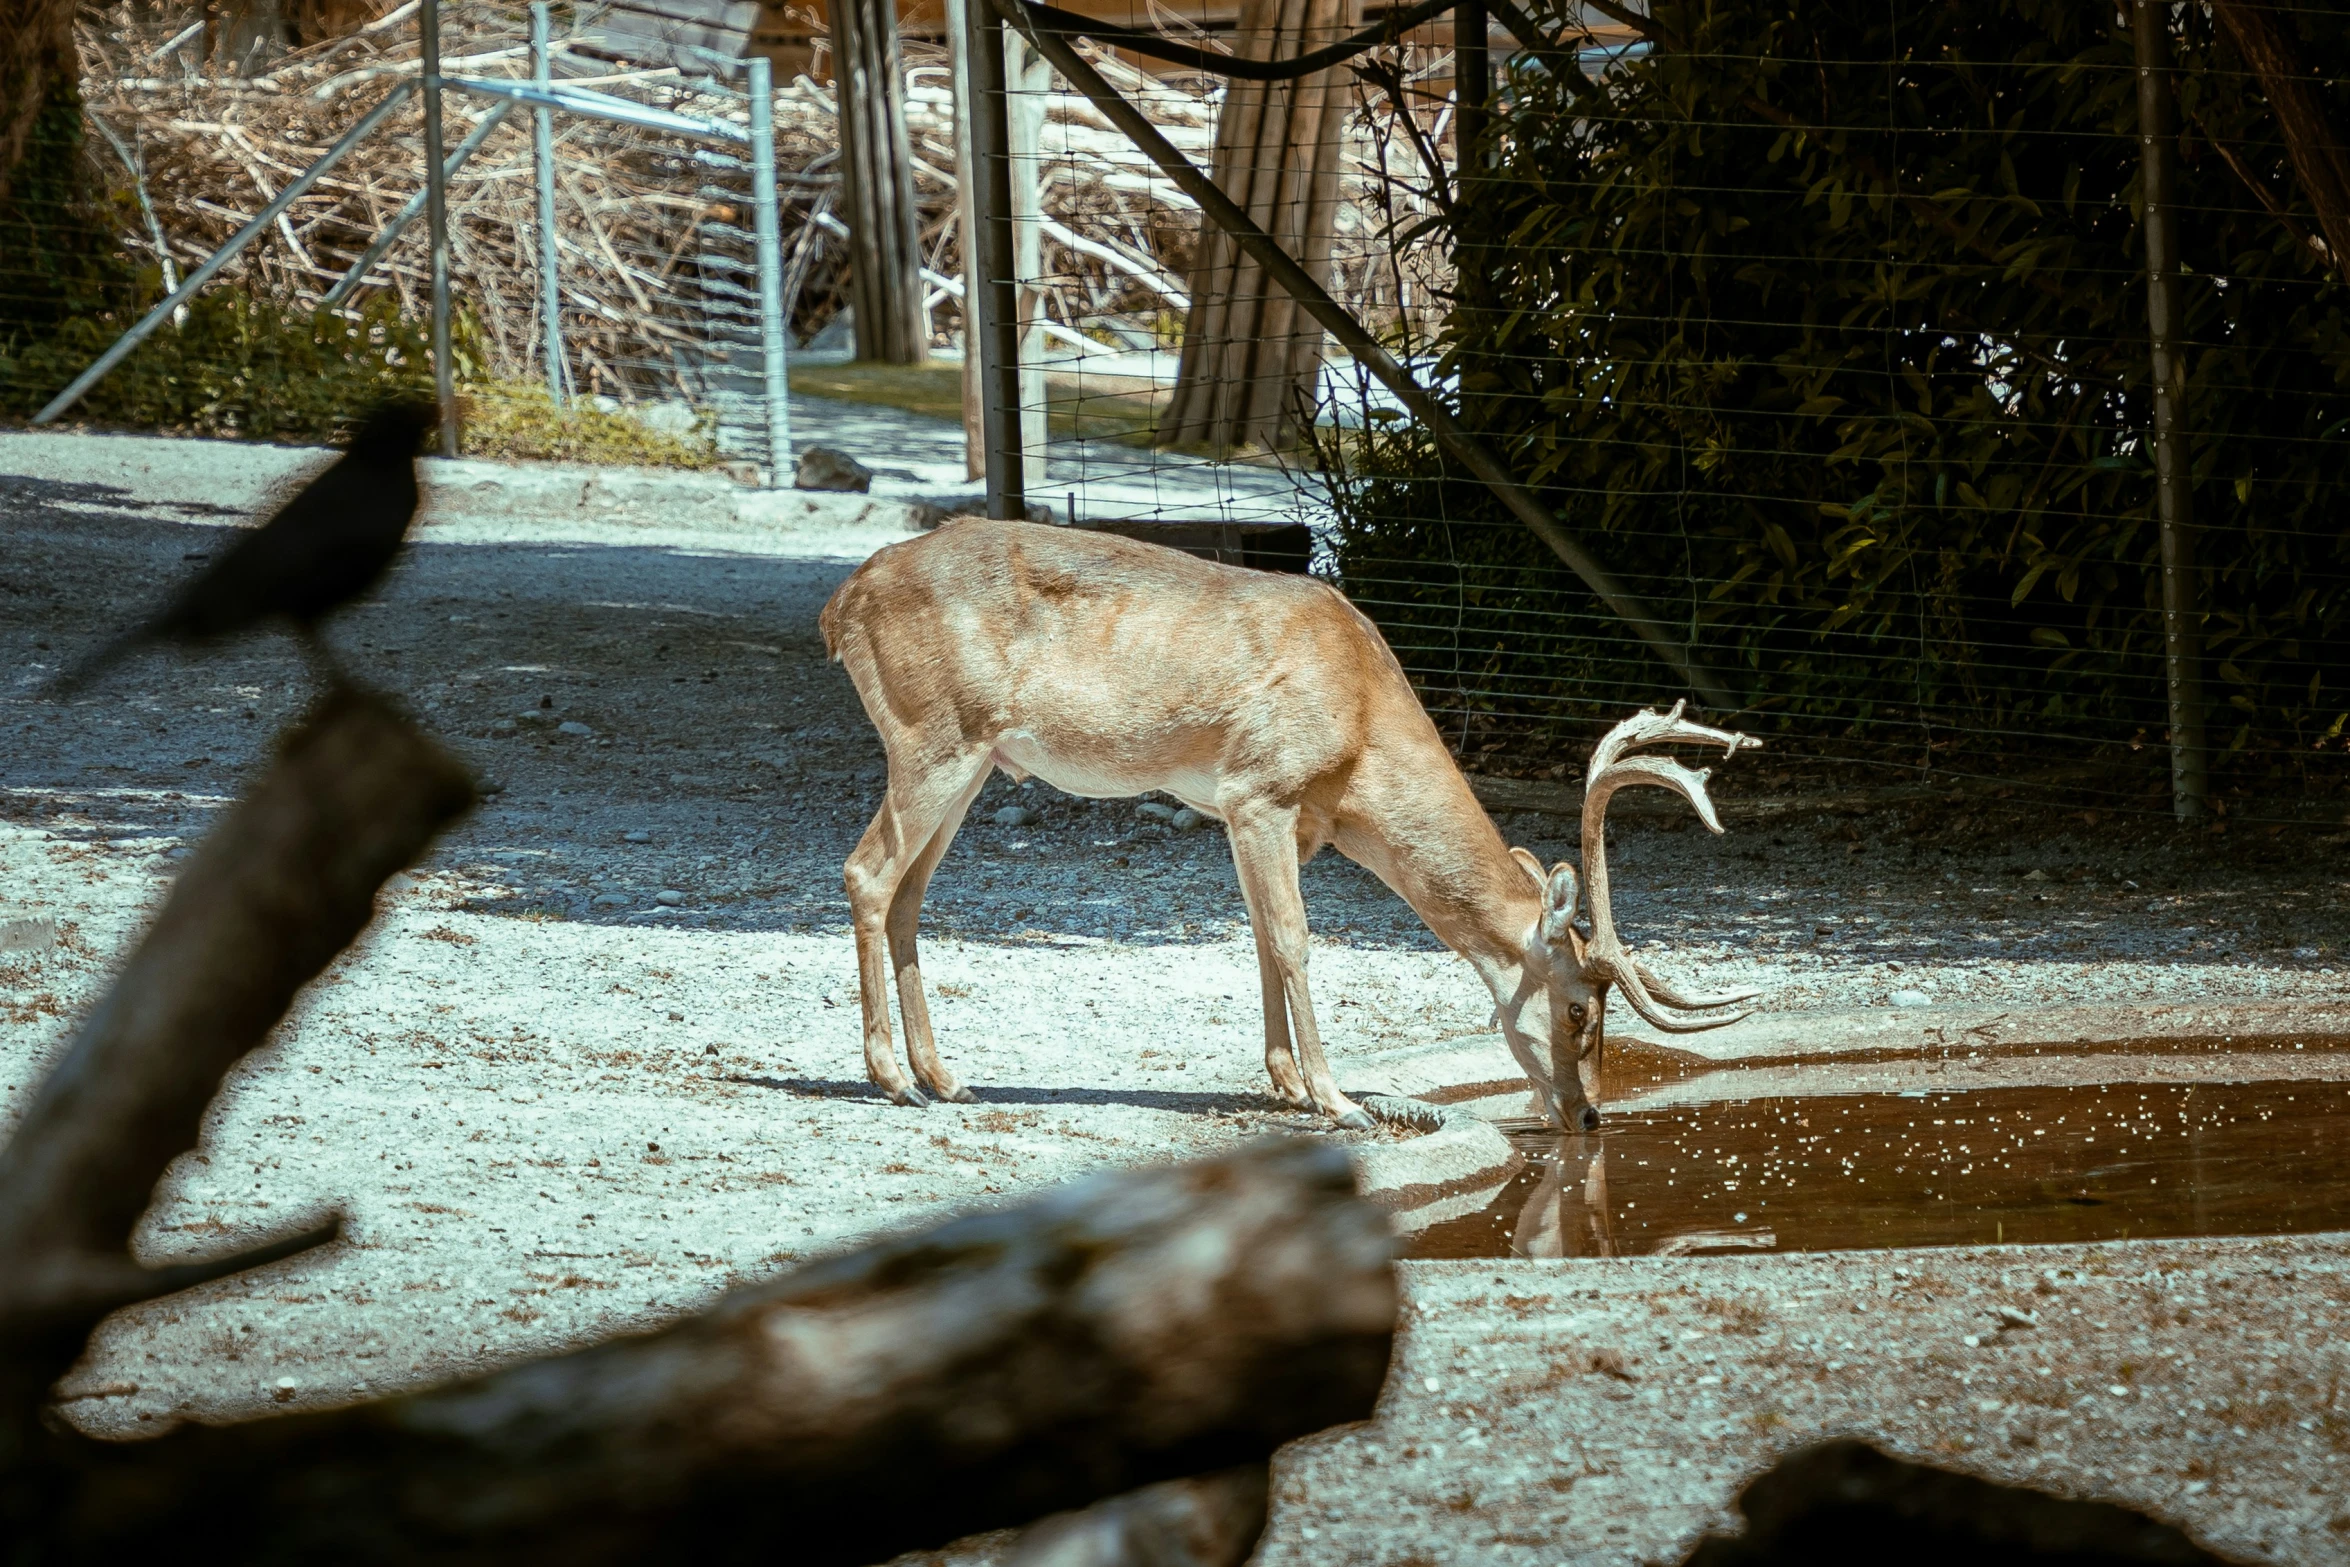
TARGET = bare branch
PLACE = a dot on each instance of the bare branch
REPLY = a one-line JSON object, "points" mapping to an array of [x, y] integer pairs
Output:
{"points": [[1129, 1329], [2321, 163], [283, 885]]}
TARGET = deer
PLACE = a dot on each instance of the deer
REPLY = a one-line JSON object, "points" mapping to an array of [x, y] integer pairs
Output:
{"points": [[1110, 667]]}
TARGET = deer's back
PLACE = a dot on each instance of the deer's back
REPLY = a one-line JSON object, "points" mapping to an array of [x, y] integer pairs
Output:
{"points": [[1120, 658]]}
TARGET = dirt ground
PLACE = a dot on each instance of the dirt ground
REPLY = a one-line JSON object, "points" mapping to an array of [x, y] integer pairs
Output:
{"points": [[600, 1058]]}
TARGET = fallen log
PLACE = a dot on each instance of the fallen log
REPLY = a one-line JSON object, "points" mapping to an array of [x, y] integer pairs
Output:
{"points": [[1206, 1521], [1131, 1328], [1134, 1328]]}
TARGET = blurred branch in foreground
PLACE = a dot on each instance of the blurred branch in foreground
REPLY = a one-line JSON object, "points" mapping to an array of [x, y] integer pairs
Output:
{"points": [[1133, 1328]]}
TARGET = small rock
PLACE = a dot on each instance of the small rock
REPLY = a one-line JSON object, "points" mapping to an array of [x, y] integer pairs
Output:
{"points": [[284, 1389], [1188, 820], [572, 726], [672, 416], [2036, 875], [829, 468], [1912, 998], [28, 935], [1157, 811], [1016, 816], [611, 900], [677, 1017], [503, 728], [636, 835], [2011, 1317], [670, 898]]}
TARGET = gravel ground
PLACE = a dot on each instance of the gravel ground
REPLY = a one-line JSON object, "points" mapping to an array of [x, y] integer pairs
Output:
{"points": [[599, 1058]]}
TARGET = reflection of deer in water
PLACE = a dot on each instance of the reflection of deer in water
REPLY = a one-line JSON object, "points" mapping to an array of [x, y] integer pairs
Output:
{"points": [[1109, 667], [1568, 1214]]}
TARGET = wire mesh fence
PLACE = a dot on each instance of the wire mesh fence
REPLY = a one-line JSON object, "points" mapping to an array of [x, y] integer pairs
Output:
{"points": [[1827, 332]]}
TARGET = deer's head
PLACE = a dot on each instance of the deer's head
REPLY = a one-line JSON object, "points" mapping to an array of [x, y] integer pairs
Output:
{"points": [[1574, 970]]}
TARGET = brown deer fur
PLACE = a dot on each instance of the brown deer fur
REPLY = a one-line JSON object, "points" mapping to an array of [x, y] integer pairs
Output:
{"points": [[1108, 667]]}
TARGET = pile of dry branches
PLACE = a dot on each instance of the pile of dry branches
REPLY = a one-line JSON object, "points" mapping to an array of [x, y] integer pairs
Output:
{"points": [[654, 230]]}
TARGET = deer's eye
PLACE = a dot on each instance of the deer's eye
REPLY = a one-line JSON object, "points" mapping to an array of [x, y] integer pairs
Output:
{"points": [[1577, 1011]]}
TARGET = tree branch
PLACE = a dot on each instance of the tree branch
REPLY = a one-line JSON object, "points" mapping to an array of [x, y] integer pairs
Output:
{"points": [[1131, 1328], [284, 884], [2312, 141], [2266, 197]]}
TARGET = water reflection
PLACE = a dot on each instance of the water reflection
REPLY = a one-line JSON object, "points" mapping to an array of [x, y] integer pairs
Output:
{"points": [[1925, 1169]]}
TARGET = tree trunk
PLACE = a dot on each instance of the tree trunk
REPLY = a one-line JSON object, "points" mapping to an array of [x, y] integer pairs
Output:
{"points": [[2272, 47], [1250, 352], [877, 184], [37, 62]]}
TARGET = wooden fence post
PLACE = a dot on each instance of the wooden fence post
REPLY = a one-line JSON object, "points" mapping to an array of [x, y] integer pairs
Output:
{"points": [[877, 184], [1249, 348]]}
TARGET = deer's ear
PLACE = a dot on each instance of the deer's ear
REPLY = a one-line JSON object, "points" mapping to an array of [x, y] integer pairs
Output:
{"points": [[1531, 866], [1560, 893]]}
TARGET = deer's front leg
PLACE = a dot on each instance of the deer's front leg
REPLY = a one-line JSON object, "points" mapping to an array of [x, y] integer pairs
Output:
{"points": [[1280, 1061], [1264, 849]]}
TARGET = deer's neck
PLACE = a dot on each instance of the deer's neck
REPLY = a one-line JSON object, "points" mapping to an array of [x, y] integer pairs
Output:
{"points": [[1421, 831]]}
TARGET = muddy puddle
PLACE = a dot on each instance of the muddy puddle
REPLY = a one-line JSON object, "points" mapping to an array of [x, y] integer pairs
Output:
{"points": [[1925, 1168]]}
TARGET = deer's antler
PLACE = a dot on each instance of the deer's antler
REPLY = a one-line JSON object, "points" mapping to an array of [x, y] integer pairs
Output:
{"points": [[1611, 769]]}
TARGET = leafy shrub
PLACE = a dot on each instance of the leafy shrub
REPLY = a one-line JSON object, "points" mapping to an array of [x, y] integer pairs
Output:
{"points": [[1825, 327], [236, 366], [519, 421], [246, 368]]}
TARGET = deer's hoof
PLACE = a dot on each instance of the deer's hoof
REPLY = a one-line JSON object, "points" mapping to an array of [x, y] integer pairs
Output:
{"points": [[910, 1096], [957, 1095], [1356, 1121]]}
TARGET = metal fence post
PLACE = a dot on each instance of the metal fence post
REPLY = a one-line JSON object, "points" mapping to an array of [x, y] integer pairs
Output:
{"points": [[2173, 469], [994, 316], [1472, 72], [436, 216], [542, 74], [1028, 81], [775, 367]]}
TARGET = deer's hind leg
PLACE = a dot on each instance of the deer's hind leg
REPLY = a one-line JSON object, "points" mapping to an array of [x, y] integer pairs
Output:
{"points": [[924, 794], [905, 916]]}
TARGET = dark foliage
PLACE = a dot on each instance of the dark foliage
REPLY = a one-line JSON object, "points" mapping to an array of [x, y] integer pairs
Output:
{"points": [[1826, 327]]}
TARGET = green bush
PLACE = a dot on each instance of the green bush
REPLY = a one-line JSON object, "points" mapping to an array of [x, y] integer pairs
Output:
{"points": [[519, 421], [246, 368], [1825, 327], [237, 366]]}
